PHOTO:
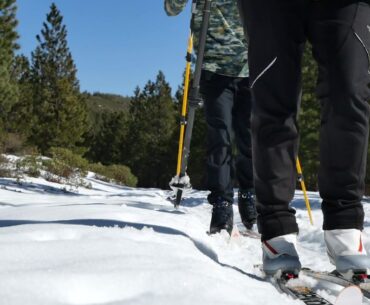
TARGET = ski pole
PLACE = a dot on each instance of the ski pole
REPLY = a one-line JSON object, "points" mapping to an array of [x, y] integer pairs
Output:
{"points": [[184, 103], [194, 101], [303, 186], [194, 97], [176, 183]]}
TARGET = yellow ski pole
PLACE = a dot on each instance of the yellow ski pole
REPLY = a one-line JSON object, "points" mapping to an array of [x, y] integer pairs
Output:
{"points": [[184, 103], [192, 100], [303, 186]]}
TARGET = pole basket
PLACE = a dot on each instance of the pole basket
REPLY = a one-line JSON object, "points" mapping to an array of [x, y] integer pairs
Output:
{"points": [[179, 186]]}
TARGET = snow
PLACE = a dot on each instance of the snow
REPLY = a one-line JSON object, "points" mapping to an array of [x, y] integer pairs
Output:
{"points": [[117, 245]]}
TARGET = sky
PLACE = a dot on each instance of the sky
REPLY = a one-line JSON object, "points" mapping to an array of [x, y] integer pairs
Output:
{"points": [[117, 45]]}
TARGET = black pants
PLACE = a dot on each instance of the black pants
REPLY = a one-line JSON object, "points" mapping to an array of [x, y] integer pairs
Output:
{"points": [[339, 31], [227, 102]]}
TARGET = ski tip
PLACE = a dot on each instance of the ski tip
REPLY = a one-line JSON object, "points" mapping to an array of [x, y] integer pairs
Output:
{"points": [[350, 295], [243, 231], [235, 232]]}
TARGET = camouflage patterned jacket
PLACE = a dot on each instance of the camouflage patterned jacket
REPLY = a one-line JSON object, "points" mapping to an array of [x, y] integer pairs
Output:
{"points": [[226, 47]]}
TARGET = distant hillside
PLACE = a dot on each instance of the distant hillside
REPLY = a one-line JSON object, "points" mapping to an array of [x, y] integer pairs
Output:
{"points": [[102, 102]]}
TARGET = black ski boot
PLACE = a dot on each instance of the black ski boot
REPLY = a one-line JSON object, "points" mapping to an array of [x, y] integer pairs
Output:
{"points": [[222, 217], [247, 208]]}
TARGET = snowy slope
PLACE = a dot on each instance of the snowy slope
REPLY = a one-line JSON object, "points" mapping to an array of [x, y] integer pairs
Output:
{"points": [[118, 245]]}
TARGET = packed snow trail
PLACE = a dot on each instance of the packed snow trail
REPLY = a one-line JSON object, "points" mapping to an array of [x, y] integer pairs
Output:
{"points": [[116, 245]]}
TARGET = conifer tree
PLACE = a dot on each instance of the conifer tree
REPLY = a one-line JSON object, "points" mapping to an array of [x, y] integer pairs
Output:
{"points": [[108, 144], [8, 44], [21, 114], [152, 123], [58, 105]]}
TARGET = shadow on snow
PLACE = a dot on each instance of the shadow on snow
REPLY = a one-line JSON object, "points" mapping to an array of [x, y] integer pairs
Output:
{"points": [[34, 187], [201, 246]]}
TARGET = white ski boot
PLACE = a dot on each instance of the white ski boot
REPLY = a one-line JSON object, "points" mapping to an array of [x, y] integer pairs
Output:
{"points": [[347, 253], [280, 255]]}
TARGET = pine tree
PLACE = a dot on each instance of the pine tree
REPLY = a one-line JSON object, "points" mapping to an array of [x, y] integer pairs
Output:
{"points": [[109, 143], [59, 108], [21, 115], [8, 45], [149, 147]]}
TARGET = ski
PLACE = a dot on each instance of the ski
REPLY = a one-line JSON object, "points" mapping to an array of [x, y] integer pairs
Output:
{"points": [[250, 233], [300, 292], [243, 231], [240, 230], [285, 283], [351, 295], [360, 280]]}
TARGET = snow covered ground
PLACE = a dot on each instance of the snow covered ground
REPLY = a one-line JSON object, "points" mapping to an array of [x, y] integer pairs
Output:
{"points": [[115, 245]]}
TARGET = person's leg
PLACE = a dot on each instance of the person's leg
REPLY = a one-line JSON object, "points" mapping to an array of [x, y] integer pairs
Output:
{"points": [[341, 40], [340, 34], [243, 139], [218, 95], [242, 130], [218, 103], [276, 40]]}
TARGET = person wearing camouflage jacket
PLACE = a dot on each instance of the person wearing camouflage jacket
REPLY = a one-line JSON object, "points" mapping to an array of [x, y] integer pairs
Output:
{"points": [[227, 103], [226, 47]]}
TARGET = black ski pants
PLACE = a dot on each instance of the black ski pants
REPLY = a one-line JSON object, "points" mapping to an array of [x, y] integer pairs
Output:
{"points": [[227, 104], [339, 31]]}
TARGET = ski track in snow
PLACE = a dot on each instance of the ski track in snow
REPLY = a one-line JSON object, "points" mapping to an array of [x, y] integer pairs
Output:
{"points": [[116, 245]]}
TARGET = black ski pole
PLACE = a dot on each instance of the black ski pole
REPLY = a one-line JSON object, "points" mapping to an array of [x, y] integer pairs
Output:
{"points": [[194, 102]]}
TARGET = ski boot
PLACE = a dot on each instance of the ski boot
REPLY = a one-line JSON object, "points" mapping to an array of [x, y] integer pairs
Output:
{"points": [[247, 208], [347, 253], [280, 256], [222, 216]]}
